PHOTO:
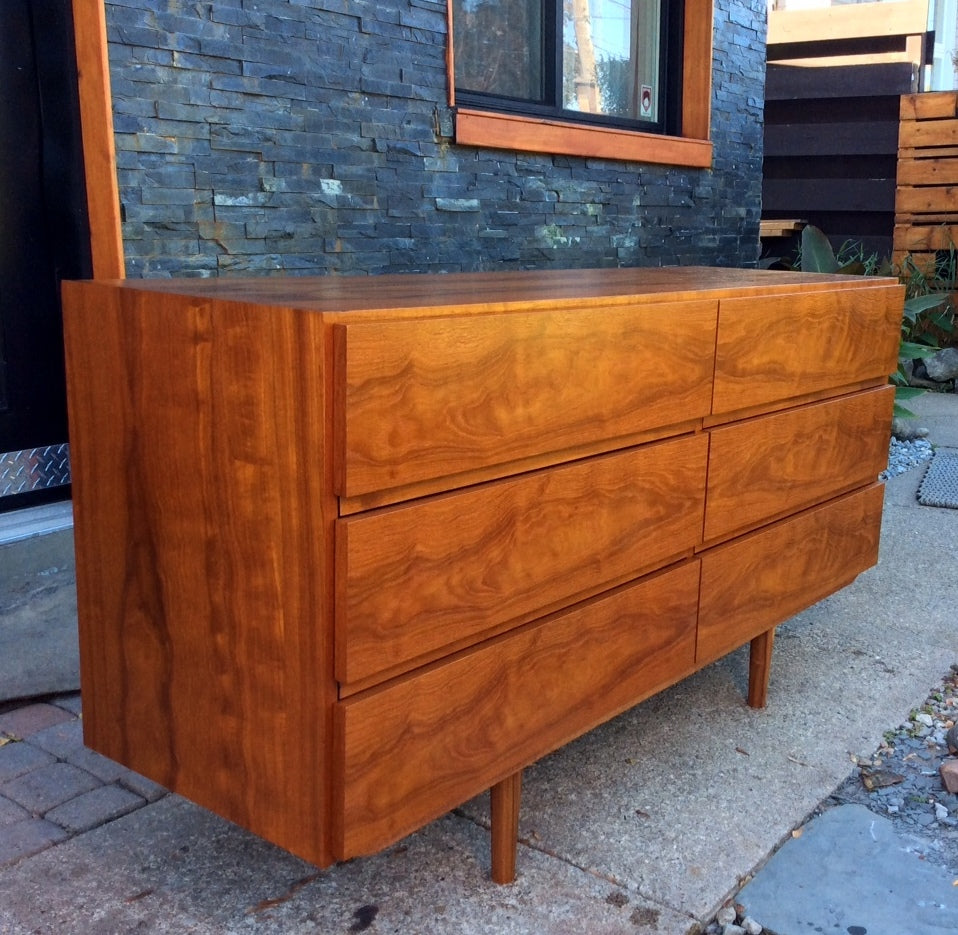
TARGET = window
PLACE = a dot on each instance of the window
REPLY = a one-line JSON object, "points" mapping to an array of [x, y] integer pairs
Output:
{"points": [[584, 77], [590, 60]]}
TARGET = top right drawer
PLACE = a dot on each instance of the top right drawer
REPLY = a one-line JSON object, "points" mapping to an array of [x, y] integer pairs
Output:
{"points": [[771, 348]]}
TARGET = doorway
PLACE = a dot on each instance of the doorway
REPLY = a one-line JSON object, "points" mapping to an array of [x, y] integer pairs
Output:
{"points": [[44, 238]]}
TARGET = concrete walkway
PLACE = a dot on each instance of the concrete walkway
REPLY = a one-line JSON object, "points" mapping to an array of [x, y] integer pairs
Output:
{"points": [[646, 825]]}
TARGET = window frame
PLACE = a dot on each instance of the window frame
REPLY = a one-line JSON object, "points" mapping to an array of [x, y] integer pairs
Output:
{"points": [[691, 147]]}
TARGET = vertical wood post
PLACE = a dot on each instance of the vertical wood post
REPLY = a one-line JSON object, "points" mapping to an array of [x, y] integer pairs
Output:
{"points": [[759, 668], [99, 151], [505, 797]]}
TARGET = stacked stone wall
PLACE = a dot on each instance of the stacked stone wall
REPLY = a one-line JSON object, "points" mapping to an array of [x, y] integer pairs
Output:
{"points": [[313, 136]]}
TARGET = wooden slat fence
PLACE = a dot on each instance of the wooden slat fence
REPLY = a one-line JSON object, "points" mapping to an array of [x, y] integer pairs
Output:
{"points": [[926, 198]]}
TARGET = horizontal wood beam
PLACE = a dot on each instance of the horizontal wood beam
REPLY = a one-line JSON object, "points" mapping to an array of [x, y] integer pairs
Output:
{"points": [[803, 196], [879, 138], [854, 21], [790, 83]]}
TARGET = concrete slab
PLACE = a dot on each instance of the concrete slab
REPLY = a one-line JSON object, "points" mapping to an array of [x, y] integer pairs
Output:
{"points": [[173, 867], [850, 873], [39, 653]]}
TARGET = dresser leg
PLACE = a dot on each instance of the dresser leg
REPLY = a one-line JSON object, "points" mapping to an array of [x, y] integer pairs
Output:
{"points": [[759, 667], [505, 827]]}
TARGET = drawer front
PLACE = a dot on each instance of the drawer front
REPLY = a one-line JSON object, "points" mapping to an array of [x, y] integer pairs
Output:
{"points": [[774, 465], [756, 582], [426, 398], [776, 347], [414, 579], [419, 746]]}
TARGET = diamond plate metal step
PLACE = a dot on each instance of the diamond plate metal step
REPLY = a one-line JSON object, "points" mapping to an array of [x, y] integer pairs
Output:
{"points": [[34, 469]]}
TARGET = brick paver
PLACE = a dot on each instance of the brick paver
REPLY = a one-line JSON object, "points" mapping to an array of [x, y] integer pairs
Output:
{"points": [[11, 812], [24, 838], [94, 808], [49, 786], [143, 787], [61, 739], [31, 718], [19, 758]]}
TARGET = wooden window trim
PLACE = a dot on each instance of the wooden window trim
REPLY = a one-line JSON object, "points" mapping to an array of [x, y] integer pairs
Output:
{"points": [[691, 148], [99, 148]]}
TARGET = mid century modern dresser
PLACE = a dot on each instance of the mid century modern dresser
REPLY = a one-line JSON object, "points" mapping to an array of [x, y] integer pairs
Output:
{"points": [[353, 550]]}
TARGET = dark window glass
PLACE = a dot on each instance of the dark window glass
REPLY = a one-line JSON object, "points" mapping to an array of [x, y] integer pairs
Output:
{"points": [[600, 61]]}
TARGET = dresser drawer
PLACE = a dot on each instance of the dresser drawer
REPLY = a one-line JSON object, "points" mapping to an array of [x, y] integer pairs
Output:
{"points": [[756, 582], [425, 398], [773, 465], [771, 348], [437, 573], [421, 745]]}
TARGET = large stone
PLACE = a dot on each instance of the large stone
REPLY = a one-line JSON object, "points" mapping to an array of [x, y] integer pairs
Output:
{"points": [[943, 365], [949, 775]]}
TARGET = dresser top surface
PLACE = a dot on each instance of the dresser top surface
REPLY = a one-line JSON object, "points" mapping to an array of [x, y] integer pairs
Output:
{"points": [[489, 291]]}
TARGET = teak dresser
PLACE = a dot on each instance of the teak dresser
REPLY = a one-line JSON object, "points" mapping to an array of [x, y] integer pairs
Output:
{"points": [[352, 550]]}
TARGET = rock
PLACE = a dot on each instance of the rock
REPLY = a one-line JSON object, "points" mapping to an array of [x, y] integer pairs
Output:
{"points": [[951, 738], [751, 926], [732, 929], [949, 775], [943, 365], [725, 915], [907, 429], [923, 717], [940, 811]]}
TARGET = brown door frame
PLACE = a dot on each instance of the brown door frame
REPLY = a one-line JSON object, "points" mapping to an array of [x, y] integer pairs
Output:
{"points": [[99, 152]]}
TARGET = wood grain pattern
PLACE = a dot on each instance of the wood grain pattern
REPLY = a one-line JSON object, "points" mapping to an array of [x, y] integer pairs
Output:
{"points": [[777, 464], [200, 552], [843, 336], [436, 397], [755, 582], [215, 571], [759, 668], [421, 745], [504, 798], [99, 147], [430, 575]]}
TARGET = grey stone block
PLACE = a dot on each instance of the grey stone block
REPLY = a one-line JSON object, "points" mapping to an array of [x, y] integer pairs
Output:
{"points": [[61, 740], [42, 789], [143, 787], [94, 808], [10, 812], [25, 838], [30, 719], [19, 758], [103, 768]]}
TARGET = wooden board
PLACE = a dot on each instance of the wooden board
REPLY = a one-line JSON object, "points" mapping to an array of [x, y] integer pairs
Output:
{"points": [[844, 338], [425, 577], [421, 745], [755, 582], [760, 469], [200, 551], [438, 397]]}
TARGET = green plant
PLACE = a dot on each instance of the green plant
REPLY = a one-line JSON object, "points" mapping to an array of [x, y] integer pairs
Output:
{"points": [[928, 309]]}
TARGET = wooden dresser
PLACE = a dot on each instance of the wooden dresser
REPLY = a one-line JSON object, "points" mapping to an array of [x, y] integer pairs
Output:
{"points": [[351, 551]]}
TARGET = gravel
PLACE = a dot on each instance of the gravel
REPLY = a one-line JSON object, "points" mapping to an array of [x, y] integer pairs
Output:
{"points": [[905, 455], [900, 781]]}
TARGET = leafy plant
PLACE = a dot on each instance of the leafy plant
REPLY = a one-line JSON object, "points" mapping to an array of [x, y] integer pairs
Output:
{"points": [[928, 310]]}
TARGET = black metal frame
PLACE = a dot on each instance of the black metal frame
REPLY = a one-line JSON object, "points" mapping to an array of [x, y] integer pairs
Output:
{"points": [[670, 79]]}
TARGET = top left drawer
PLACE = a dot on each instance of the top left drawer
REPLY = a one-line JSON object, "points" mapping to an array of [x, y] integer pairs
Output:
{"points": [[420, 399]]}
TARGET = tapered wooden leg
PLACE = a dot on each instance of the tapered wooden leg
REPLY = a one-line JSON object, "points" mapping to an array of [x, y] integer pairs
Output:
{"points": [[505, 797], [759, 667]]}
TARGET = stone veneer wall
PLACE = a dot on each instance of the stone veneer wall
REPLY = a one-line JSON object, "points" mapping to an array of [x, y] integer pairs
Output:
{"points": [[313, 136]]}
